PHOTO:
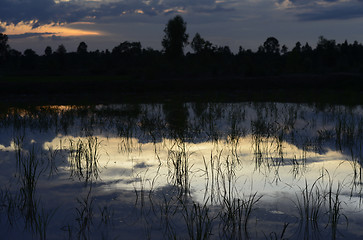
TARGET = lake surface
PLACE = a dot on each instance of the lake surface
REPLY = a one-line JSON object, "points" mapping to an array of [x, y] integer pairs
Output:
{"points": [[181, 171]]}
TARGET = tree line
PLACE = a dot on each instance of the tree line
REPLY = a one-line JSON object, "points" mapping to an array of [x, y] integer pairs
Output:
{"points": [[206, 59]]}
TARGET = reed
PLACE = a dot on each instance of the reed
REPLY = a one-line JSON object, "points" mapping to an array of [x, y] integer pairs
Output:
{"points": [[198, 221], [84, 215], [275, 236], [178, 161], [334, 207], [310, 207], [28, 176], [235, 215], [83, 159]]}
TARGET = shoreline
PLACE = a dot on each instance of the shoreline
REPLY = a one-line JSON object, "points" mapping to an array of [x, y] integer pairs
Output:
{"points": [[339, 88]]}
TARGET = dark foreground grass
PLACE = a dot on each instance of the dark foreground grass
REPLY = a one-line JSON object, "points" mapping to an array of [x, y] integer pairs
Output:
{"points": [[333, 88]]}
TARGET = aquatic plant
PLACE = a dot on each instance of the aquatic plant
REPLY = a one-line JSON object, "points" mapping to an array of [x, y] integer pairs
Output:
{"points": [[83, 158]]}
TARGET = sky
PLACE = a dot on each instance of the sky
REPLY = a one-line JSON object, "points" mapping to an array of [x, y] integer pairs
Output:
{"points": [[103, 24]]}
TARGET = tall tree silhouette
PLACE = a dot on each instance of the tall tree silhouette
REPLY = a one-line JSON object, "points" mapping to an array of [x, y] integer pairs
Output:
{"points": [[82, 48], [61, 53], [200, 46], [48, 51], [175, 38], [61, 50], [271, 46]]}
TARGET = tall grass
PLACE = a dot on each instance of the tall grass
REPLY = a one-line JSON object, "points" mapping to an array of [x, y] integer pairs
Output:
{"points": [[84, 215], [179, 167], [309, 204], [235, 216], [25, 202], [83, 158], [198, 221]]}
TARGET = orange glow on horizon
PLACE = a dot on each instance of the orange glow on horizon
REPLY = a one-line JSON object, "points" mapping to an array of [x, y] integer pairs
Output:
{"points": [[48, 29]]}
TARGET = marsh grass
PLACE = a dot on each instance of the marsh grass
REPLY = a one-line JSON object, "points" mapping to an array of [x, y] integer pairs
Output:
{"points": [[83, 159], [9, 205], [298, 167], [84, 215], [24, 203], [235, 215], [178, 161], [235, 132], [42, 222], [275, 236], [334, 205], [144, 189], [211, 172], [335, 210], [30, 171], [51, 160], [168, 212], [310, 207], [198, 220], [320, 205], [107, 215]]}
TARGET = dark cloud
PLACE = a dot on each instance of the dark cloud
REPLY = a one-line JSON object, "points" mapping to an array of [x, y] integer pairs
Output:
{"points": [[314, 10], [215, 9], [27, 35], [47, 11], [55, 38], [333, 13], [14, 11]]}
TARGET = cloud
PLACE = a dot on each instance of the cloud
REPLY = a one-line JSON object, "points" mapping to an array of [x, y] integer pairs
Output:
{"points": [[55, 38], [214, 9], [39, 12], [317, 10], [27, 35], [334, 13], [41, 36]]}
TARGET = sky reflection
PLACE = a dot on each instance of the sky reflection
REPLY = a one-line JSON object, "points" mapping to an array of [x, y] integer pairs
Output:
{"points": [[141, 162]]}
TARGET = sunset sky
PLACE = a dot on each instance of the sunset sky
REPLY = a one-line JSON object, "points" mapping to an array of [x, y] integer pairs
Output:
{"points": [[103, 24]]}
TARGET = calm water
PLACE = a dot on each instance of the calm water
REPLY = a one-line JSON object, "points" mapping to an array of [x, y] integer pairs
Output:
{"points": [[181, 171]]}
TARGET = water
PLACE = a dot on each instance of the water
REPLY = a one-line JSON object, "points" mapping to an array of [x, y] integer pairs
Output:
{"points": [[181, 170]]}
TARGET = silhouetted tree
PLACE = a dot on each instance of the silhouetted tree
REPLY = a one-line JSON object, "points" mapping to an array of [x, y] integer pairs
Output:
{"points": [[128, 49], [48, 51], [327, 52], [271, 46], [306, 48], [325, 44], [30, 58], [29, 53], [61, 50], [284, 49], [199, 45], [61, 55], [241, 51], [175, 38], [224, 51], [82, 48], [4, 47], [294, 60], [297, 47], [14, 53]]}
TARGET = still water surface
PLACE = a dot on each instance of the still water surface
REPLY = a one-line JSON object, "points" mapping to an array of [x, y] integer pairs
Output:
{"points": [[181, 171]]}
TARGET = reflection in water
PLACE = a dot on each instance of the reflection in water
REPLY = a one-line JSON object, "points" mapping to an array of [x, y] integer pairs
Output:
{"points": [[182, 171]]}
